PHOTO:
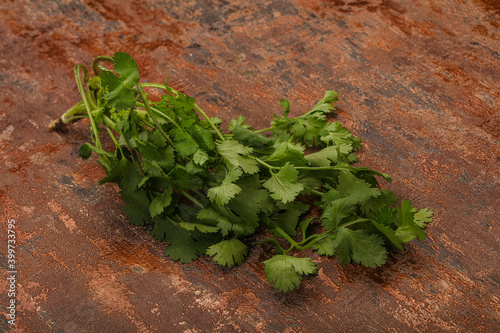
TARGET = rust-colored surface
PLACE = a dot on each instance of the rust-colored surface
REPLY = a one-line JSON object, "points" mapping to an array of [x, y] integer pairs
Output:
{"points": [[419, 83]]}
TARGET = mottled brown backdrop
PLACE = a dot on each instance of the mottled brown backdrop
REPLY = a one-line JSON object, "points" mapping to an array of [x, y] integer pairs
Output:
{"points": [[418, 81]]}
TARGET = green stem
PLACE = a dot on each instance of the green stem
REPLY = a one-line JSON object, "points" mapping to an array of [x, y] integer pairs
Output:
{"points": [[200, 111], [155, 85], [332, 167], [265, 130], [317, 192], [150, 114], [109, 122], [261, 162], [317, 237], [85, 100], [90, 98], [97, 60], [158, 112], [113, 138], [76, 112], [190, 197], [274, 242], [210, 122], [293, 244]]}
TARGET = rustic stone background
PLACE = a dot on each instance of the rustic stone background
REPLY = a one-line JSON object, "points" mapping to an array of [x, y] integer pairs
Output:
{"points": [[418, 81]]}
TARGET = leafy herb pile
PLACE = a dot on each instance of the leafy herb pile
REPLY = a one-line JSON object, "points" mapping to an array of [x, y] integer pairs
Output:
{"points": [[205, 190]]}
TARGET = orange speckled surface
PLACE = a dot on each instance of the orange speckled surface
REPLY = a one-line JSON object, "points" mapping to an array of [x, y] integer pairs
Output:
{"points": [[419, 82]]}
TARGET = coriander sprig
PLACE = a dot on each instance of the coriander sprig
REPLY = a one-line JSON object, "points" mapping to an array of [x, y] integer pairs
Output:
{"points": [[205, 190]]}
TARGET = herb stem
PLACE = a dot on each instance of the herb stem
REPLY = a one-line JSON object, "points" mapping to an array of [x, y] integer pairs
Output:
{"points": [[317, 237], [85, 100], [200, 111], [97, 60], [113, 138], [109, 122], [190, 197], [154, 85], [293, 244], [78, 111], [158, 112], [210, 122], [317, 192], [274, 242], [261, 162], [265, 130], [150, 113]]}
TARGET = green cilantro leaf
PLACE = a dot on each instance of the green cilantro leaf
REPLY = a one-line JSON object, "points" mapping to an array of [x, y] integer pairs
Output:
{"points": [[227, 220], [408, 229], [335, 209], [334, 133], [162, 228], [236, 155], [325, 104], [125, 174], [200, 157], [183, 180], [283, 184], [238, 122], [251, 138], [200, 227], [185, 144], [160, 202], [203, 137], [357, 190], [228, 252], [285, 272], [422, 217], [287, 152], [325, 246], [286, 107], [389, 233], [137, 207], [288, 216], [151, 168], [121, 89], [227, 190], [323, 158], [223, 193], [85, 151], [360, 247], [182, 246]]}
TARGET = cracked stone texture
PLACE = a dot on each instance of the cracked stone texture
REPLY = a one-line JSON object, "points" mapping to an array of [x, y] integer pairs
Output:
{"points": [[418, 81]]}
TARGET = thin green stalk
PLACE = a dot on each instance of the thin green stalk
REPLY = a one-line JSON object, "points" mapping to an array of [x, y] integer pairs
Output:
{"points": [[78, 111], [200, 111], [317, 192], [210, 122], [317, 237], [150, 113], [265, 130], [272, 241], [90, 98], [97, 60], [162, 115], [190, 197], [114, 139], [293, 243], [85, 100], [261, 162], [109, 122], [155, 85]]}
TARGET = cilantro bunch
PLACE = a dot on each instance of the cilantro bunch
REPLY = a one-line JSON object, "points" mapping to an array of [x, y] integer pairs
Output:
{"points": [[204, 191]]}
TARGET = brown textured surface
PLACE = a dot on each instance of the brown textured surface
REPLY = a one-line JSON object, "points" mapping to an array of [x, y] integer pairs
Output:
{"points": [[419, 83]]}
